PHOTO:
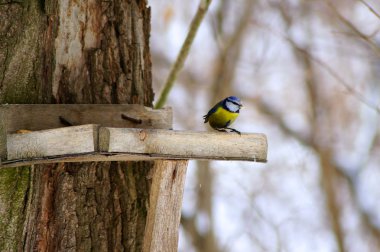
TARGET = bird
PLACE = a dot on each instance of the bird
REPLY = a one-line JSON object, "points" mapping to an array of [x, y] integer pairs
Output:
{"points": [[223, 114]]}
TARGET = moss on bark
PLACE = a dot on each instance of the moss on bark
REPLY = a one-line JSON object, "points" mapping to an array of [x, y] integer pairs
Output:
{"points": [[13, 192], [19, 54], [20, 42]]}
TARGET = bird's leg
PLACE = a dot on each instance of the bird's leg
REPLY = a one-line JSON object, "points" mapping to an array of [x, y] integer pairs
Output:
{"points": [[234, 130]]}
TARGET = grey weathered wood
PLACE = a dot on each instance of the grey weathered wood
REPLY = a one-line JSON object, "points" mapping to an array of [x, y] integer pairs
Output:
{"points": [[54, 142], [3, 136], [46, 116], [161, 229], [184, 144], [90, 143], [86, 157]]}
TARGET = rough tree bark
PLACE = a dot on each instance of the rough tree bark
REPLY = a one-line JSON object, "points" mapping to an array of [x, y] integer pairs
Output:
{"points": [[82, 52]]}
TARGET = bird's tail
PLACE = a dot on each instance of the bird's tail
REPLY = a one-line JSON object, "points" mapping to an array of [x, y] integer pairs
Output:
{"points": [[205, 117]]}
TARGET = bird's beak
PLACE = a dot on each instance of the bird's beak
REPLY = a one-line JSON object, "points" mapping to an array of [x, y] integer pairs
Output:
{"points": [[241, 106]]}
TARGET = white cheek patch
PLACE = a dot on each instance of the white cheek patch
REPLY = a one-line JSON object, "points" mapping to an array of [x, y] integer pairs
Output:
{"points": [[232, 107]]}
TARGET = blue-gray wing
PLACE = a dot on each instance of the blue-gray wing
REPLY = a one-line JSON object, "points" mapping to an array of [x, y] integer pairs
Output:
{"points": [[212, 111]]}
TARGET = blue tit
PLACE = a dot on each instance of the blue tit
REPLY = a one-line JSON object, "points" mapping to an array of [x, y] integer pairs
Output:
{"points": [[223, 114]]}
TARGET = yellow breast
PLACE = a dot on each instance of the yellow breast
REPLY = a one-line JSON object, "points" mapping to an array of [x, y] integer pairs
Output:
{"points": [[222, 118]]}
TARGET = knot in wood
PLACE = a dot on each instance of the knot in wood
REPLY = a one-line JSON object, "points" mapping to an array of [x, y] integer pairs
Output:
{"points": [[142, 135]]}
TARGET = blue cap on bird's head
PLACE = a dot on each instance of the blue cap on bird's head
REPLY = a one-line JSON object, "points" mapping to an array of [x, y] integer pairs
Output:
{"points": [[234, 99]]}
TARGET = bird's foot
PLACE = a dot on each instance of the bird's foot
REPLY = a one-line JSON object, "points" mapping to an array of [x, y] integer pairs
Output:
{"points": [[234, 130], [231, 130]]}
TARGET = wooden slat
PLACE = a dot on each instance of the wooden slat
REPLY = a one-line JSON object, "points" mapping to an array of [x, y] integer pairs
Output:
{"points": [[3, 136], [161, 229], [46, 116], [87, 157], [184, 144], [54, 142], [89, 143]]}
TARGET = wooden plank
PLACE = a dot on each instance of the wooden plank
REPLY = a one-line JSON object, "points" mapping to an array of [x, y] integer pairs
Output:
{"points": [[70, 144], [161, 229], [54, 142], [47, 116], [184, 144], [62, 145], [3, 136], [86, 157]]}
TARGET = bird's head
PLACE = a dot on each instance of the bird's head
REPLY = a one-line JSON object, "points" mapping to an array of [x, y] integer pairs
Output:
{"points": [[233, 103]]}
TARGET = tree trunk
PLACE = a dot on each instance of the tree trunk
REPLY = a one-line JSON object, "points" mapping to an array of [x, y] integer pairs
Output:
{"points": [[81, 52]]}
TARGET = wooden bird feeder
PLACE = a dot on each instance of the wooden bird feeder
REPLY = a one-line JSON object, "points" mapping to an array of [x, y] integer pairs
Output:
{"points": [[105, 132]]}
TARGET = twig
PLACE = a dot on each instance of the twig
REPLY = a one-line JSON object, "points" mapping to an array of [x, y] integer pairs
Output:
{"points": [[195, 23], [370, 8], [229, 55], [307, 141], [353, 28], [359, 96]]}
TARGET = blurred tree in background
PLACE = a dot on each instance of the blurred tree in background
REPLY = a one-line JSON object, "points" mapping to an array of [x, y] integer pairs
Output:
{"points": [[308, 73]]}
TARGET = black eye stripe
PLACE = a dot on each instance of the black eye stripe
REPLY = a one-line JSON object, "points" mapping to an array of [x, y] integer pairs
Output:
{"points": [[234, 102]]}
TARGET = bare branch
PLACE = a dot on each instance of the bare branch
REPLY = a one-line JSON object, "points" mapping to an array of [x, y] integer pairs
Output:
{"points": [[275, 116], [370, 9], [329, 70], [177, 66], [356, 31], [229, 55]]}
